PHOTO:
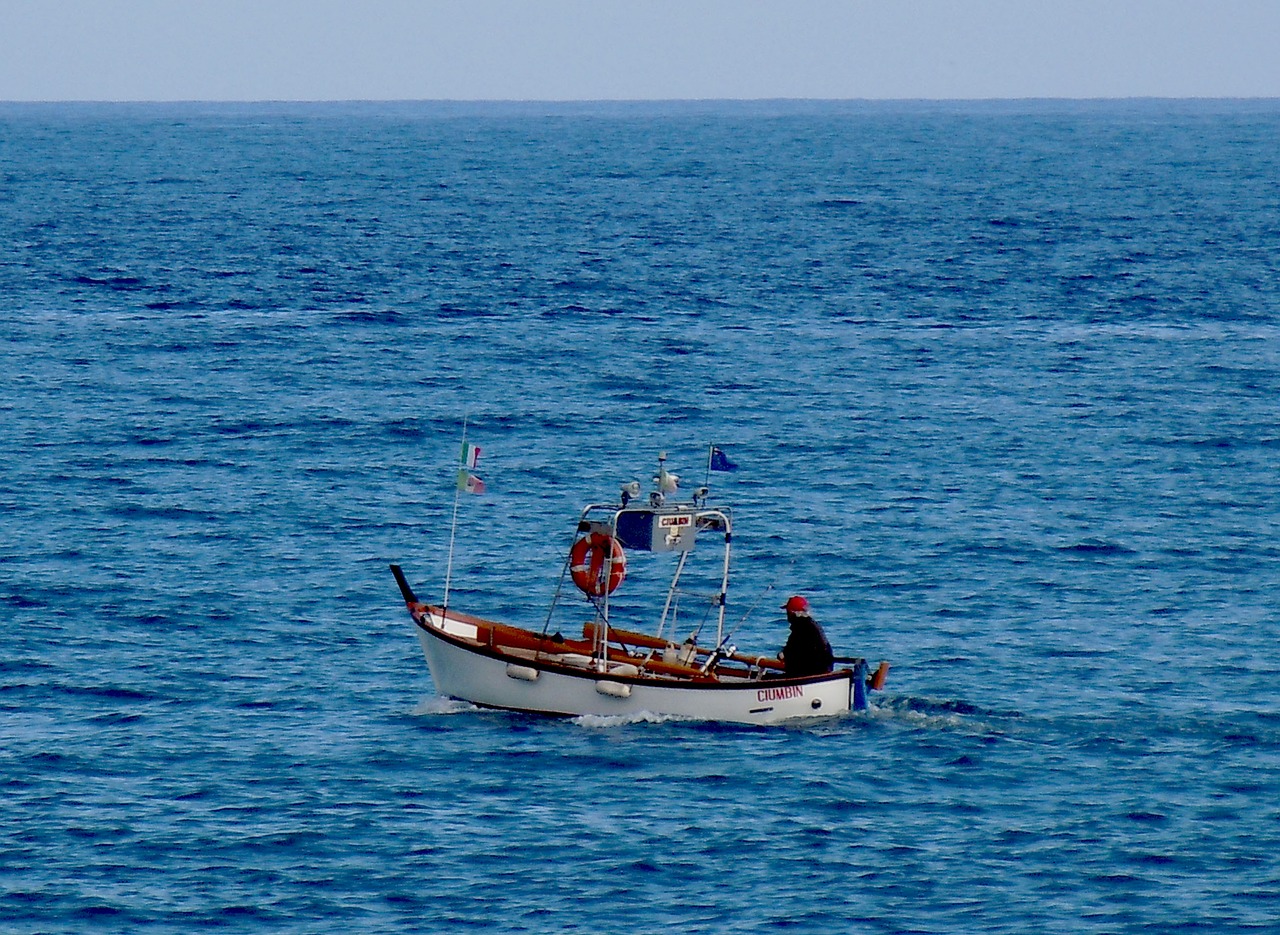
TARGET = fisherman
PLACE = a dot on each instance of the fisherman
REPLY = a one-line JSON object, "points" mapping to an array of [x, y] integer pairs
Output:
{"points": [[807, 651]]}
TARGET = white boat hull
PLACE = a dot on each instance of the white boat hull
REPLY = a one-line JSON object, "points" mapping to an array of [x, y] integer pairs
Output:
{"points": [[490, 679]]}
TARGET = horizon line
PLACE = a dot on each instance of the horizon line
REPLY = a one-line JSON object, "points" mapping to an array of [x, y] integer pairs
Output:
{"points": [[653, 100]]}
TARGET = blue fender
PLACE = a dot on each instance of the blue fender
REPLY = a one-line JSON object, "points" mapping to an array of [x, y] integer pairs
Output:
{"points": [[860, 685]]}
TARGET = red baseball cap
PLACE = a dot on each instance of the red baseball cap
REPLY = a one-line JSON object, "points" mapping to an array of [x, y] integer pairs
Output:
{"points": [[796, 604]]}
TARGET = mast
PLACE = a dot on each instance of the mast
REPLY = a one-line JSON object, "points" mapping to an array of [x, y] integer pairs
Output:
{"points": [[453, 525]]}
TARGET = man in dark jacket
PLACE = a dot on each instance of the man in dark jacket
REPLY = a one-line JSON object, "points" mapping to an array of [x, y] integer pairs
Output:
{"points": [[807, 651]]}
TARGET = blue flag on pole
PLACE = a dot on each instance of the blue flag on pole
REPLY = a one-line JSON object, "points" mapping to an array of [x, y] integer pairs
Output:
{"points": [[720, 461]]}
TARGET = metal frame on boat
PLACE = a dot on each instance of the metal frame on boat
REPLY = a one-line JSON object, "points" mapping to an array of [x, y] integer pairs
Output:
{"points": [[611, 671]]}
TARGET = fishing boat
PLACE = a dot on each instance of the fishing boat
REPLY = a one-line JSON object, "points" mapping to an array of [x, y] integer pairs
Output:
{"points": [[607, 667]]}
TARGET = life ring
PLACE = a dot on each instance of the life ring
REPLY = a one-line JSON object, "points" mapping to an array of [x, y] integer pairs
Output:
{"points": [[587, 559]]}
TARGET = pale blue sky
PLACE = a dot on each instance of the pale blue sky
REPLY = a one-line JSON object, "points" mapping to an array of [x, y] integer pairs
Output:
{"points": [[643, 49]]}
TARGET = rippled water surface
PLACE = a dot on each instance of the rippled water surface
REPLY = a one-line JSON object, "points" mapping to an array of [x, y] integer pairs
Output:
{"points": [[1001, 382]]}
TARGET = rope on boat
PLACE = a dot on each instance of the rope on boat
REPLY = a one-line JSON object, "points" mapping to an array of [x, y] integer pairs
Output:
{"points": [[555, 598]]}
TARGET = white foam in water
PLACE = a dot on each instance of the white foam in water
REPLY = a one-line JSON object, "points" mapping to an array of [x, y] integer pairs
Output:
{"points": [[437, 705], [619, 720]]}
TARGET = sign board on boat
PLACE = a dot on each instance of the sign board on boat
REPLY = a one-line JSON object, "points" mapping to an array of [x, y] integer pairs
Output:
{"points": [[657, 530]]}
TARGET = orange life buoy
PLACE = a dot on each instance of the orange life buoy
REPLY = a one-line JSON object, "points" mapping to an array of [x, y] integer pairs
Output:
{"points": [[587, 560]]}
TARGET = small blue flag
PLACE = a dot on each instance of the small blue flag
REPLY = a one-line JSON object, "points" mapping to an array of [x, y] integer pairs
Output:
{"points": [[720, 461]]}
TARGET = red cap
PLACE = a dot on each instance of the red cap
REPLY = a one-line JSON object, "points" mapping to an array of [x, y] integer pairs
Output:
{"points": [[796, 604]]}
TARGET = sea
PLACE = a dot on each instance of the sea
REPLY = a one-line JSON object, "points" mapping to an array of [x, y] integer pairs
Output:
{"points": [[1001, 383]]}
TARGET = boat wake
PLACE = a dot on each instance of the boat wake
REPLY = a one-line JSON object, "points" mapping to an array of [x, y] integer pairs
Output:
{"points": [[437, 705], [941, 714], [621, 720]]}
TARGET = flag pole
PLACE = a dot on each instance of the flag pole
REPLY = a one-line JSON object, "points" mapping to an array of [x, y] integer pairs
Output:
{"points": [[453, 526]]}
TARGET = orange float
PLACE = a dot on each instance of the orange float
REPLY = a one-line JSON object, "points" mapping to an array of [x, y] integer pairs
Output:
{"points": [[587, 561]]}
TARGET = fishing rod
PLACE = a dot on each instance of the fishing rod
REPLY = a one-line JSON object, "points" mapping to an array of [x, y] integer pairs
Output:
{"points": [[750, 610], [726, 650]]}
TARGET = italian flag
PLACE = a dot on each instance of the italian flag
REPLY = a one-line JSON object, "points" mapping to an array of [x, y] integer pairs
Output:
{"points": [[469, 483]]}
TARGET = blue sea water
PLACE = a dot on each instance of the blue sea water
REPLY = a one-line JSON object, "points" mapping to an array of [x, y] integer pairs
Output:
{"points": [[1001, 380]]}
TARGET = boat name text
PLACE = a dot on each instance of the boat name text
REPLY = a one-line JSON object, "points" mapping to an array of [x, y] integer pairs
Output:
{"points": [[782, 693]]}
